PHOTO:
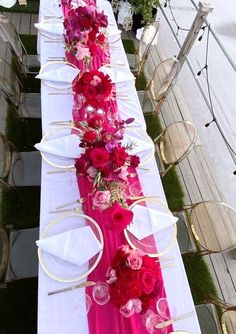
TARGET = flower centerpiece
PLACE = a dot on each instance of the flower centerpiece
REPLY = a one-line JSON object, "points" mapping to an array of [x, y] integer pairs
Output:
{"points": [[84, 37], [105, 163], [133, 279]]}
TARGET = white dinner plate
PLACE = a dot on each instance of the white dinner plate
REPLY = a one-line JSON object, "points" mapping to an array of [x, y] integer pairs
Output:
{"points": [[64, 271]]}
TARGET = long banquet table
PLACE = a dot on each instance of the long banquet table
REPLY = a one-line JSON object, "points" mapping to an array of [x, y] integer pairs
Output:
{"points": [[59, 313]]}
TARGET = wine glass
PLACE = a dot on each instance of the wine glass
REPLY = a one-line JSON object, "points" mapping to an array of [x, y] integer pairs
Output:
{"points": [[150, 320], [165, 309], [101, 293], [135, 188], [84, 304]]}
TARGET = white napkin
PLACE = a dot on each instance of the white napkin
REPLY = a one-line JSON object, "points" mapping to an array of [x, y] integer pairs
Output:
{"points": [[140, 146], [64, 74], [147, 221], [148, 35], [67, 146], [51, 27], [76, 246], [115, 75]]}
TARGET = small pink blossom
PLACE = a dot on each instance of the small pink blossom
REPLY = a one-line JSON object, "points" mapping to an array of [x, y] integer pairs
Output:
{"points": [[101, 199], [135, 260], [125, 249], [92, 172], [131, 307], [111, 274], [81, 52], [123, 173], [127, 310]]}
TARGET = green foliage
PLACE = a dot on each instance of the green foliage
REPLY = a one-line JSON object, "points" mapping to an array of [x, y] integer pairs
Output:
{"points": [[129, 46], [145, 7]]}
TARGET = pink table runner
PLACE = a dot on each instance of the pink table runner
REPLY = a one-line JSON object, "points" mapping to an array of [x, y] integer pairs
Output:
{"points": [[106, 319]]}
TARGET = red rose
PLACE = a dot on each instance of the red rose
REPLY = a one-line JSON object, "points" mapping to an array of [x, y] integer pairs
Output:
{"points": [[117, 295], [89, 136], [134, 161], [89, 92], [81, 164], [119, 259], [87, 77], [147, 279], [118, 217], [133, 289], [96, 122], [101, 38], [119, 156], [99, 157]]}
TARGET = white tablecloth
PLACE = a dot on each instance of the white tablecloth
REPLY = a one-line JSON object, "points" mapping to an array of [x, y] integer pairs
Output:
{"points": [[59, 313]]}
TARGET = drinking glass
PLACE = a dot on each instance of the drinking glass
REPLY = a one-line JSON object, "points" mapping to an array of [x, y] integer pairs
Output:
{"points": [[165, 309], [83, 305], [150, 319], [101, 293]]}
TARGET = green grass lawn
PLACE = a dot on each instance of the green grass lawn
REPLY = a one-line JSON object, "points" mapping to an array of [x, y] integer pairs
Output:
{"points": [[32, 7]]}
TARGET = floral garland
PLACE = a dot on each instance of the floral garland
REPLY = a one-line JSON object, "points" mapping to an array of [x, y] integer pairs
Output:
{"points": [[133, 281]]}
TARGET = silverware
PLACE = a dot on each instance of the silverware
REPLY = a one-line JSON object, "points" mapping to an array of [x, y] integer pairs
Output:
{"points": [[66, 210], [61, 93], [62, 123], [54, 41], [171, 321], [78, 286], [70, 170], [79, 200]]}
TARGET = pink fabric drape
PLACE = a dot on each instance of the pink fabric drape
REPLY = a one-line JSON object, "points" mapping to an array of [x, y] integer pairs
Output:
{"points": [[106, 319]]}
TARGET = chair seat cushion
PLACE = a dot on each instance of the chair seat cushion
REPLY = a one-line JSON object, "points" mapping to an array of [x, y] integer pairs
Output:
{"points": [[24, 258], [26, 169]]}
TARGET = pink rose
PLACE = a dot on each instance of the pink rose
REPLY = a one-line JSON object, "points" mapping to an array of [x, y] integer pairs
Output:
{"points": [[111, 274], [81, 52], [101, 199], [147, 279], [92, 173], [135, 260]]}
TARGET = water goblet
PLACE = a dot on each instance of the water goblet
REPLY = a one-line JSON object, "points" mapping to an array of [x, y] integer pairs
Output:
{"points": [[84, 304], [101, 293], [150, 320], [165, 309]]}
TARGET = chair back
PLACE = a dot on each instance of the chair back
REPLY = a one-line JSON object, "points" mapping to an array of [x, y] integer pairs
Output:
{"points": [[164, 77], [176, 142], [4, 250], [214, 226], [9, 35], [228, 321], [5, 156], [9, 82], [148, 38]]}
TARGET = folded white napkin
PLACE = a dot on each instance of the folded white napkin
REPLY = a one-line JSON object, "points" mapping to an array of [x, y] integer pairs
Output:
{"points": [[64, 74], [147, 221], [76, 246], [139, 145], [116, 75], [51, 27], [148, 35], [67, 146]]}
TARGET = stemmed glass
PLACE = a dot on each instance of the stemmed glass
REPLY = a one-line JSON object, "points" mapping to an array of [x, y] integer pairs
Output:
{"points": [[84, 304], [101, 293]]}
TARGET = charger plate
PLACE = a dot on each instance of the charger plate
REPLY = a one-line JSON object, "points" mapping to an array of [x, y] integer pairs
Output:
{"points": [[64, 271], [53, 66], [48, 34], [158, 243], [53, 160]]}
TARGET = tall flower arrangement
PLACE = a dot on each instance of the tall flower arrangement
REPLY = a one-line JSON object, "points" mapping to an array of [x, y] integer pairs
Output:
{"points": [[84, 37]]}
